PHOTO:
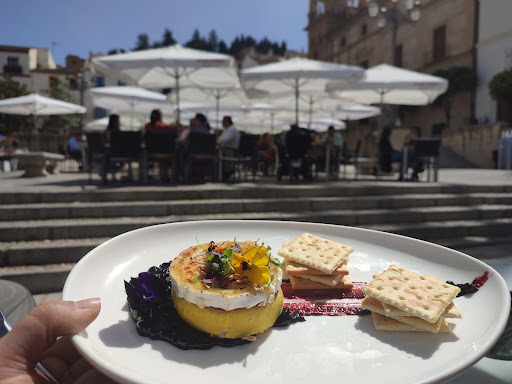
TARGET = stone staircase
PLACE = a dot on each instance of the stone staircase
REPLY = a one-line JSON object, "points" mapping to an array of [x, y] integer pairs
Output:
{"points": [[42, 235]]}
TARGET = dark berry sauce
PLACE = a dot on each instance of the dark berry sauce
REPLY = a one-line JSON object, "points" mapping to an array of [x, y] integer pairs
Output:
{"points": [[476, 284]]}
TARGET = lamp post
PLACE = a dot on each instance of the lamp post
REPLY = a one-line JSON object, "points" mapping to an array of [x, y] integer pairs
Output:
{"points": [[393, 16]]}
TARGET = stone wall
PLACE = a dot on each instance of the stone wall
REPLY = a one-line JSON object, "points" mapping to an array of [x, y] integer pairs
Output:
{"points": [[475, 143]]}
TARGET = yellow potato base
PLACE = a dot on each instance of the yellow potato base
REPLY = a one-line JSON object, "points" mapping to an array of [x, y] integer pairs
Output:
{"points": [[237, 323]]}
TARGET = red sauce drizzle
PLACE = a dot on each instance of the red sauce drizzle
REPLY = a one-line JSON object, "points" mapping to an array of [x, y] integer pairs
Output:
{"points": [[324, 302], [480, 280]]}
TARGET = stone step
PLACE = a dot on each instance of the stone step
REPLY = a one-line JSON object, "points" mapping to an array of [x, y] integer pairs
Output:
{"points": [[46, 211], [46, 252], [40, 278], [245, 190], [15, 231]]}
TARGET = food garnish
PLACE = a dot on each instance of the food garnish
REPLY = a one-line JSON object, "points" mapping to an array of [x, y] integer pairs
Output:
{"points": [[228, 262]]}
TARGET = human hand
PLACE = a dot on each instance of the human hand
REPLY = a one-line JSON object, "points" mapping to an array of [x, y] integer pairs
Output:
{"points": [[36, 338]]}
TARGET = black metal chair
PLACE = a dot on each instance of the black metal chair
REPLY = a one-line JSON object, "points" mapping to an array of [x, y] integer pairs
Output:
{"points": [[125, 147], [245, 157], [295, 159], [96, 154], [201, 159], [426, 150], [160, 147]]}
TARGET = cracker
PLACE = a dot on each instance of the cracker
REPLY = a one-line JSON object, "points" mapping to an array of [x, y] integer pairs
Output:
{"points": [[331, 280], [450, 312], [419, 295], [316, 252], [299, 283], [295, 269], [383, 323], [376, 306]]}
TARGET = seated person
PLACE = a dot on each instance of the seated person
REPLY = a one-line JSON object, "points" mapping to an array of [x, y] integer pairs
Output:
{"points": [[228, 141], [266, 151], [333, 140], [74, 150], [416, 164], [156, 125], [387, 154], [296, 160]]}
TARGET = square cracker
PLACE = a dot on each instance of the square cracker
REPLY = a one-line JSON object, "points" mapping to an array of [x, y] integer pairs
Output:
{"points": [[316, 252], [450, 312], [331, 280], [295, 269], [299, 283], [376, 306], [383, 323], [419, 295]]}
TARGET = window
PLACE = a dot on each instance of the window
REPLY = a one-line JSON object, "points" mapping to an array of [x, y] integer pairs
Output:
{"points": [[100, 81], [73, 84], [343, 42], [364, 30], [120, 83], [13, 62], [13, 66], [320, 8], [439, 44], [398, 56], [99, 113]]}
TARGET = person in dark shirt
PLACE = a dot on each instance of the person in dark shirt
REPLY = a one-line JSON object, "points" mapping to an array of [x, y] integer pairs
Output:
{"points": [[387, 154]]}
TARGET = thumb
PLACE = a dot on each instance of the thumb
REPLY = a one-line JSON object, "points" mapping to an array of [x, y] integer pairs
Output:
{"points": [[36, 332]]}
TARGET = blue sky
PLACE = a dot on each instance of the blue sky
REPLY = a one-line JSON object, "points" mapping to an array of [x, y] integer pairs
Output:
{"points": [[77, 27]]}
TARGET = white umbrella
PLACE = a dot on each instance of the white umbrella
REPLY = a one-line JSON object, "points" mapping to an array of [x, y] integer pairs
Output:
{"points": [[37, 105], [126, 124], [122, 99], [232, 98], [387, 84], [298, 75], [170, 67]]}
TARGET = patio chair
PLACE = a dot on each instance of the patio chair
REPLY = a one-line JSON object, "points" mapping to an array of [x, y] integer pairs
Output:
{"points": [[245, 157], [125, 147], [96, 154], [160, 147], [295, 159], [201, 160], [427, 150]]}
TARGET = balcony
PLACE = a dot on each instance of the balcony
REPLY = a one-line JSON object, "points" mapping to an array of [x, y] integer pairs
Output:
{"points": [[13, 70]]}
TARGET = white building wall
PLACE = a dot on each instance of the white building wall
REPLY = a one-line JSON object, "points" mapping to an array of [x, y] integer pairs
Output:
{"points": [[494, 52]]}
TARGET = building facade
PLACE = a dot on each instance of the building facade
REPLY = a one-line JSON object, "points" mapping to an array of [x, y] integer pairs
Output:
{"points": [[494, 54], [342, 31]]}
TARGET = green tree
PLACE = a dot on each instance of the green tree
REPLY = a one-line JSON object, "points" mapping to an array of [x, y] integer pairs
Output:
{"points": [[500, 86], [460, 79], [142, 42], [223, 48], [197, 41], [168, 38], [213, 41], [116, 51], [10, 88], [58, 123]]}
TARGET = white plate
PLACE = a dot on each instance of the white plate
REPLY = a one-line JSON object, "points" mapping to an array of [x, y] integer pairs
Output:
{"points": [[323, 349]]}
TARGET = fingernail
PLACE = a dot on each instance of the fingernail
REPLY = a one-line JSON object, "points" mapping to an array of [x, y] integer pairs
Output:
{"points": [[88, 303]]}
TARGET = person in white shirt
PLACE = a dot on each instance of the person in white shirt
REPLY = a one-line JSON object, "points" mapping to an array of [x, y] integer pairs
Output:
{"points": [[228, 143], [230, 138]]}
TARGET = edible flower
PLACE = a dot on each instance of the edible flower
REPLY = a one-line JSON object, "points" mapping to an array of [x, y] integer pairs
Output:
{"points": [[253, 264]]}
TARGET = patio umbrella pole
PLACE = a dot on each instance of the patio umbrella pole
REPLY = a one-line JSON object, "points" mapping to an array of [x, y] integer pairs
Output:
{"points": [[177, 78], [297, 100]]}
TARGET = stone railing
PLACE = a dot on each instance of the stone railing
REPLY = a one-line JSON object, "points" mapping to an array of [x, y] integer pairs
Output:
{"points": [[475, 143]]}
